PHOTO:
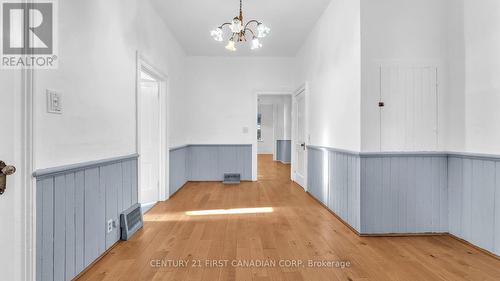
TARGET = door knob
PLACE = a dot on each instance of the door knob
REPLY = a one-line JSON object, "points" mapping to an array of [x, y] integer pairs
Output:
{"points": [[4, 172]]}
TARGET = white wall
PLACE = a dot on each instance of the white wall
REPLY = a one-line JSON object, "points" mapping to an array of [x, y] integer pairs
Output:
{"points": [[482, 80], [221, 96], [266, 144], [403, 32], [97, 77], [330, 61], [455, 116]]}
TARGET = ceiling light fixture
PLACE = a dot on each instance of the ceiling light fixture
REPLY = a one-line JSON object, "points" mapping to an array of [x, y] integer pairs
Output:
{"points": [[239, 32]]}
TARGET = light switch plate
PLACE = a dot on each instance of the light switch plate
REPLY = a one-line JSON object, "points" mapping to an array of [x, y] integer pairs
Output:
{"points": [[54, 102], [245, 130]]}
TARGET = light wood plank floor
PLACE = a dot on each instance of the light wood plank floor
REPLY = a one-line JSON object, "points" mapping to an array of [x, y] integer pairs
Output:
{"points": [[297, 229]]}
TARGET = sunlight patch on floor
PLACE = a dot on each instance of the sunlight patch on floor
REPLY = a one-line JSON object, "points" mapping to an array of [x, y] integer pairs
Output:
{"points": [[231, 211]]}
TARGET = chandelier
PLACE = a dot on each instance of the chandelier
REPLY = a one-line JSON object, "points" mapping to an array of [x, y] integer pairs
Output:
{"points": [[239, 31]]}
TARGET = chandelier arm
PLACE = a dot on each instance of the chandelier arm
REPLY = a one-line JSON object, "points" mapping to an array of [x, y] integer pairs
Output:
{"points": [[224, 24], [251, 31], [252, 21]]}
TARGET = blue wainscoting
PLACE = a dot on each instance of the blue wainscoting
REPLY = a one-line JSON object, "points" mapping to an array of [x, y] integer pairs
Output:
{"points": [[211, 162], [334, 179], [74, 204], [474, 199], [384, 193], [208, 163], [178, 168], [400, 193], [404, 193], [284, 151]]}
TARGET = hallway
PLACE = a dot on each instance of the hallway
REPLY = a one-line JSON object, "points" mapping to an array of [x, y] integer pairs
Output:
{"points": [[265, 230]]}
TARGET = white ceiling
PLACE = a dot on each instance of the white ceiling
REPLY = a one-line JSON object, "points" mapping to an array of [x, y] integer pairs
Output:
{"points": [[192, 20]]}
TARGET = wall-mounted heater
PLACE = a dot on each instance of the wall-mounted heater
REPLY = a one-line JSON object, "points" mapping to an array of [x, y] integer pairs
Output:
{"points": [[131, 221]]}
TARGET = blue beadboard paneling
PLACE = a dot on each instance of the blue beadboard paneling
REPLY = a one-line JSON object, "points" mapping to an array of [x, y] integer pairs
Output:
{"points": [[316, 176], [455, 195], [72, 210], [203, 163], [210, 162], [178, 169], [79, 221], [382, 194], [333, 179], [343, 186], [284, 151], [371, 192], [466, 200], [94, 218], [497, 209], [59, 227], [404, 194], [70, 226], [111, 180], [234, 159], [39, 230], [46, 240], [473, 196]]}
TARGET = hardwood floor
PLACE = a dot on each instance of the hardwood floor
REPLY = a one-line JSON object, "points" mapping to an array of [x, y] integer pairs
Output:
{"points": [[297, 229]]}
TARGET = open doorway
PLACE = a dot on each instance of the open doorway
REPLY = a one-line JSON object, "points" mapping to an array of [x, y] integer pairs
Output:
{"points": [[274, 127], [265, 129], [151, 135]]}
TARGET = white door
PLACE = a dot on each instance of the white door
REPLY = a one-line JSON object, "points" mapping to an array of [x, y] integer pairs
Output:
{"points": [[150, 142], [300, 140], [409, 115], [11, 201]]}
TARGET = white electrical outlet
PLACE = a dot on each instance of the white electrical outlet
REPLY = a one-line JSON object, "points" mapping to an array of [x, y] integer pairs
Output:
{"points": [[54, 102], [110, 226]]}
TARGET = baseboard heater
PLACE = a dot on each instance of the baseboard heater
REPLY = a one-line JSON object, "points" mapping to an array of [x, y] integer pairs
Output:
{"points": [[232, 178], [131, 221]]}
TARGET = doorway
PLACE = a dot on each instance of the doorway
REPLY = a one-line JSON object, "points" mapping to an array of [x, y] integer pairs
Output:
{"points": [[299, 143], [151, 135], [273, 128], [265, 129]]}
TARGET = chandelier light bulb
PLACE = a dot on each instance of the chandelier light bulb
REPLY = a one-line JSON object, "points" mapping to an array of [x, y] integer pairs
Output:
{"points": [[231, 46], [256, 44], [262, 30], [236, 26], [217, 34]]}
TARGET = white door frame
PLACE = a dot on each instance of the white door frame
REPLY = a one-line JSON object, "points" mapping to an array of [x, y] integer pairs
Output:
{"points": [[25, 183], [304, 89], [144, 65], [28, 183], [25, 164], [255, 145]]}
